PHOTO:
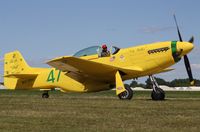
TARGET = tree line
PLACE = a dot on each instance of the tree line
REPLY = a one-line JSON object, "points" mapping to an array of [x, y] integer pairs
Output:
{"points": [[160, 81]]}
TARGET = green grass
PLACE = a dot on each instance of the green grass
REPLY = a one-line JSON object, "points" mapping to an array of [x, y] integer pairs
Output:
{"points": [[26, 111]]}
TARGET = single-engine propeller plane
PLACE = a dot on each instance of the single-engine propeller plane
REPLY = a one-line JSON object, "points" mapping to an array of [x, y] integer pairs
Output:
{"points": [[87, 71]]}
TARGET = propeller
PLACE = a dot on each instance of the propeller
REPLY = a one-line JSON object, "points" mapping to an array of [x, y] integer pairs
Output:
{"points": [[191, 39], [186, 60]]}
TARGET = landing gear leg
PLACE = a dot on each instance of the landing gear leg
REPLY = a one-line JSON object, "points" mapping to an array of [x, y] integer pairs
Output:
{"points": [[157, 93], [124, 93], [45, 94]]}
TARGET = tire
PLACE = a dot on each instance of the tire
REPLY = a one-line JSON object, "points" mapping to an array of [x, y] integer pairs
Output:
{"points": [[126, 95], [45, 95], [159, 94]]}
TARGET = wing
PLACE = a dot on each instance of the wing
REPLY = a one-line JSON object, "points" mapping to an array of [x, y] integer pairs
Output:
{"points": [[80, 68], [164, 70]]}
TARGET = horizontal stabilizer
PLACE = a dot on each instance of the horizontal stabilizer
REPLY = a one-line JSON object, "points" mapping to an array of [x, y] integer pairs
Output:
{"points": [[21, 75]]}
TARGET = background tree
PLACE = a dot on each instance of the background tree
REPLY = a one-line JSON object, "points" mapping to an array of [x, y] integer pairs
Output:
{"points": [[148, 84], [160, 81], [134, 84]]}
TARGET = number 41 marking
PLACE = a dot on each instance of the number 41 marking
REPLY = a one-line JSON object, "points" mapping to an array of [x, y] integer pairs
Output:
{"points": [[52, 78]]}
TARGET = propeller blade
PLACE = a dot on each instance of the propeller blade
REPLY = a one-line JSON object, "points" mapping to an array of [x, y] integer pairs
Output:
{"points": [[188, 69], [191, 39], [179, 34], [186, 60]]}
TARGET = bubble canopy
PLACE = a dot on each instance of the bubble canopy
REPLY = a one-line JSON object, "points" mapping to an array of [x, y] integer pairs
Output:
{"points": [[92, 50], [88, 51]]}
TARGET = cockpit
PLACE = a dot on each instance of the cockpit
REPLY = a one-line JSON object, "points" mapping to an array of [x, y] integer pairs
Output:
{"points": [[93, 50]]}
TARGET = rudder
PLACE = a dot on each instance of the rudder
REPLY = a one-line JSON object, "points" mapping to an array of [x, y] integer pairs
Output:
{"points": [[14, 63]]}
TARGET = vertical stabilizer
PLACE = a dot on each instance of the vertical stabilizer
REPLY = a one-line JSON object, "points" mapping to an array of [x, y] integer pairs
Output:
{"points": [[14, 65]]}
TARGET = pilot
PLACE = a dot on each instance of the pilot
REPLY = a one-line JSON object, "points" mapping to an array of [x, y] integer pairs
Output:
{"points": [[104, 52]]}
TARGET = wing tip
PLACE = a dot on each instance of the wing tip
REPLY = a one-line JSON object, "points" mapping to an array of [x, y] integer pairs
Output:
{"points": [[57, 59]]}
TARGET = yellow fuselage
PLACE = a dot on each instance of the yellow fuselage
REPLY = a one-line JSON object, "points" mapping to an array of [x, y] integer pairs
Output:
{"points": [[150, 58]]}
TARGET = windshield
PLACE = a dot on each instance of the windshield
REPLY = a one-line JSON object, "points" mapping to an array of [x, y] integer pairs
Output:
{"points": [[88, 51], [115, 50]]}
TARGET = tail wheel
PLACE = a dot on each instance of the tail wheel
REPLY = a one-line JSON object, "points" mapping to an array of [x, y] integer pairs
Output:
{"points": [[159, 94], [126, 95], [45, 95]]}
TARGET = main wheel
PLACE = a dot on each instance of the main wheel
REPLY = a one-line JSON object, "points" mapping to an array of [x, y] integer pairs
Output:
{"points": [[159, 94], [45, 95], [126, 95]]}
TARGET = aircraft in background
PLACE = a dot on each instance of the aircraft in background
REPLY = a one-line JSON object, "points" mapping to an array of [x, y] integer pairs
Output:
{"points": [[86, 71]]}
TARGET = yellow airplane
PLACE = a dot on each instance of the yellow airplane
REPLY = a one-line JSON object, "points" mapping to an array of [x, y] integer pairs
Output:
{"points": [[87, 71]]}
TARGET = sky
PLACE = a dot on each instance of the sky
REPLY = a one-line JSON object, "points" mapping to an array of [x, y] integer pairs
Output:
{"points": [[44, 29]]}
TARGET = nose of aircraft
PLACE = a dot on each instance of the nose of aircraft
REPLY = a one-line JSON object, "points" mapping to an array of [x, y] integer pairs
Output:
{"points": [[184, 47]]}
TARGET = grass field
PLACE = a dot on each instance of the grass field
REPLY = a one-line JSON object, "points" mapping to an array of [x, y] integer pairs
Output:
{"points": [[26, 111]]}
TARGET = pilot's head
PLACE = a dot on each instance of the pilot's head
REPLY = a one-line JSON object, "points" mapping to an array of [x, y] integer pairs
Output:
{"points": [[104, 47]]}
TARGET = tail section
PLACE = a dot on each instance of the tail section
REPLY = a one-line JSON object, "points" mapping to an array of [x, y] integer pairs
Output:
{"points": [[16, 70], [14, 64]]}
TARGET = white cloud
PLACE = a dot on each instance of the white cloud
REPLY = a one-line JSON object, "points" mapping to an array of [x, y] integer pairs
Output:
{"points": [[154, 29], [195, 66]]}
